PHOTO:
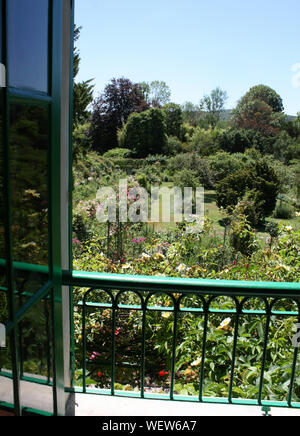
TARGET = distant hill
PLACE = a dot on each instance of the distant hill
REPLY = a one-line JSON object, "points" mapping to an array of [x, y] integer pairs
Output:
{"points": [[228, 112]]}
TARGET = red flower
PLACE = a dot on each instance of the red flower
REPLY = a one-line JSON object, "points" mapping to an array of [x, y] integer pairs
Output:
{"points": [[100, 374], [163, 373], [117, 331]]}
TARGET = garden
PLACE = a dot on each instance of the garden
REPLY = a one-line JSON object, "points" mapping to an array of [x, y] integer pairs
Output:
{"points": [[185, 344], [251, 232]]}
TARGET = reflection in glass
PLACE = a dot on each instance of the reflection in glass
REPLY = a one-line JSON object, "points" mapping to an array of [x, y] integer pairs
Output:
{"points": [[29, 193], [28, 29], [6, 383], [35, 340], [5, 358], [4, 352]]}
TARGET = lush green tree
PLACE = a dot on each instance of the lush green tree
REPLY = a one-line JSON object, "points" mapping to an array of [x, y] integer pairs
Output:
{"points": [[237, 140], [157, 93], [205, 141], [174, 119], [83, 91], [145, 133], [191, 113], [281, 146], [81, 143], [173, 146], [213, 106], [224, 164], [186, 179], [111, 110], [265, 94], [192, 162], [258, 183]]}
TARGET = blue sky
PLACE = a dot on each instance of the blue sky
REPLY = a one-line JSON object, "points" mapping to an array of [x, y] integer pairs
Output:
{"points": [[193, 45]]}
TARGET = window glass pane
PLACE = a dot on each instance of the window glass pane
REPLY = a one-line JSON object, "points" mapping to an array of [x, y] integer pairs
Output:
{"points": [[3, 300], [29, 179], [28, 27], [36, 355]]}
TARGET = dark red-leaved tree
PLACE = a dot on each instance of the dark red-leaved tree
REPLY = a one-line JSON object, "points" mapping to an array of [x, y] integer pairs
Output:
{"points": [[111, 110], [256, 115]]}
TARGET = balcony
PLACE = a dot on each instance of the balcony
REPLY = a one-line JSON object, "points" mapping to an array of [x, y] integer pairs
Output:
{"points": [[206, 306], [212, 316]]}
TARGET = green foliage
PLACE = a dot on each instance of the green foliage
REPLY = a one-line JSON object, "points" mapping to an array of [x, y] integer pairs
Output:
{"points": [[156, 93], [243, 238], [117, 153], [83, 91], [111, 110], [191, 114], [259, 182], [204, 142], [145, 133], [173, 146], [173, 119], [213, 106], [81, 144], [285, 148], [185, 179], [266, 94], [237, 140], [192, 162], [284, 211], [224, 164]]}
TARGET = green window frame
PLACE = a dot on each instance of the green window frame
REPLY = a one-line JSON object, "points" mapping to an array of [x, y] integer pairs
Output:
{"points": [[60, 21]]}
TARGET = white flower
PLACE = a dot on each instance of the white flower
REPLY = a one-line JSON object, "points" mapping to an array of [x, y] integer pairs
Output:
{"points": [[197, 362], [181, 267], [289, 228], [225, 325], [146, 256], [29, 244], [126, 266], [33, 193]]}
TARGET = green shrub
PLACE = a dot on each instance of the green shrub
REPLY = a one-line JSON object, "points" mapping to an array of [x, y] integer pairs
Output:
{"points": [[258, 181], [193, 162], [118, 153], [283, 211], [186, 179], [173, 146]]}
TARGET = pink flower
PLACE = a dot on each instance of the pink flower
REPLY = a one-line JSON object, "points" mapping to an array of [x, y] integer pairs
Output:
{"points": [[94, 355], [75, 241]]}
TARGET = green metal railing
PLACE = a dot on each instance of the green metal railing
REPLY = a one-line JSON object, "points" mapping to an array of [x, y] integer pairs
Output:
{"points": [[207, 292], [236, 297]]}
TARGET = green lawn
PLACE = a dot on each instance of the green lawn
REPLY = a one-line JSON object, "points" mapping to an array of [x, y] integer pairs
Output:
{"points": [[215, 215]]}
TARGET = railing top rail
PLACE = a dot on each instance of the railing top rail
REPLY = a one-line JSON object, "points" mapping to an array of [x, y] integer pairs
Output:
{"points": [[150, 283]]}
